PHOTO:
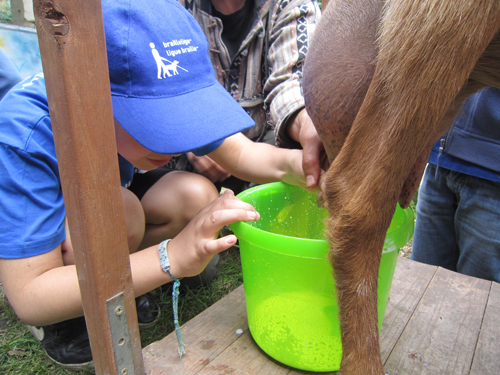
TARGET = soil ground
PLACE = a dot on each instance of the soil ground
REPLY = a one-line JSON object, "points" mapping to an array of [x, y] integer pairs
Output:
{"points": [[405, 252]]}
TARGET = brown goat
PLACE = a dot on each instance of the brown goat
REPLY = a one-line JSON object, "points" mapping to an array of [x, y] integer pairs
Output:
{"points": [[383, 81]]}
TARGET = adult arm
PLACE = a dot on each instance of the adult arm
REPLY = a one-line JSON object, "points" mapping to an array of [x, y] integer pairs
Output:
{"points": [[291, 32]]}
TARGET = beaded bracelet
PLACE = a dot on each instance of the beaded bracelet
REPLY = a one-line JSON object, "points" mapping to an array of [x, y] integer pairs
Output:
{"points": [[165, 266]]}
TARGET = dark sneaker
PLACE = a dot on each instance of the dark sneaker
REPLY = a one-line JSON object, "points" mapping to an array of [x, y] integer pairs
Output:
{"points": [[204, 278], [148, 311], [66, 343]]}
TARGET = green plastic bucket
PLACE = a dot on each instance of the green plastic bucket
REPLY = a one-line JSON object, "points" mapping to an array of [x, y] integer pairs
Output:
{"points": [[289, 287]]}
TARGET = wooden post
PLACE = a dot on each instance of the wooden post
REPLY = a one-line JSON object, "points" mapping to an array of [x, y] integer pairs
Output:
{"points": [[17, 11], [74, 60]]}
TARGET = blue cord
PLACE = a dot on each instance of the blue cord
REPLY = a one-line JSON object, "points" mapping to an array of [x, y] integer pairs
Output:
{"points": [[165, 266]]}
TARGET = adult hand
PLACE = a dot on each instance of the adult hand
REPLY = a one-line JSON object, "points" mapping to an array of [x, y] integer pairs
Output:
{"points": [[208, 168], [191, 250], [302, 130]]}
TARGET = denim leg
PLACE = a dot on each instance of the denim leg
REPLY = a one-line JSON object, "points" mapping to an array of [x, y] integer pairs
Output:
{"points": [[477, 223], [434, 241]]}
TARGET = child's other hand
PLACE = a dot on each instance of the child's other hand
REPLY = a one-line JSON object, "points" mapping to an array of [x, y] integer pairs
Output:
{"points": [[191, 250], [208, 168]]}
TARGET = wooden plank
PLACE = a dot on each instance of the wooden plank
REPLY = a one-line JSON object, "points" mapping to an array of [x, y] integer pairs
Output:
{"points": [[213, 346], [441, 335], [206, 335], [298, 372], [73, 51], [244, 357], [438, 338], [410, 282], [411, 279], [487, 357]]}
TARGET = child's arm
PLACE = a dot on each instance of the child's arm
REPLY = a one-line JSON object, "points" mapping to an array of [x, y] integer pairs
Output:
{"points": [[260, 162], [43, 291]]}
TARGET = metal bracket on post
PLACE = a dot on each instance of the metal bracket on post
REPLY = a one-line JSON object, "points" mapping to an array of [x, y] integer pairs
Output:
{"points": [[120, 337]]}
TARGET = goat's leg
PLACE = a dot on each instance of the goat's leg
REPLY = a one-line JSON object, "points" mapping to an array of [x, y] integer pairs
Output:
{"points": [[356, 231], [418, 76]]}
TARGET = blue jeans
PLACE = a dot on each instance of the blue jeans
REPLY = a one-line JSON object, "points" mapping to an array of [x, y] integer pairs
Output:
{"points": [[458, 223]]}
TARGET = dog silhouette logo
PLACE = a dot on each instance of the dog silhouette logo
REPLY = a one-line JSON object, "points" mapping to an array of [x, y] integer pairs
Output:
{"points": [[164, 69]]}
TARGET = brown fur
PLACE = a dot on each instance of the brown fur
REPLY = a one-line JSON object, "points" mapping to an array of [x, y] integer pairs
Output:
{"points": [[383, 80]]}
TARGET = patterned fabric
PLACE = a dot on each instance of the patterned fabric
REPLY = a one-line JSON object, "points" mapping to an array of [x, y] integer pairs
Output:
{"points": [[269, 97]]}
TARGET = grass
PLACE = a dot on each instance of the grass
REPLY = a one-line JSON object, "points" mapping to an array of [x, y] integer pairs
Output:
{"points": [[20, 352]]}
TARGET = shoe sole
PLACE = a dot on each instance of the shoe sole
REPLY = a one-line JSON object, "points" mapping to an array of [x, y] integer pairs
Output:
{"points": [[80, 366]]}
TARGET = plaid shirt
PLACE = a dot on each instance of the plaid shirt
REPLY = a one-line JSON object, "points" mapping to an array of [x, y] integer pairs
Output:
{"points": [[292, 25]]}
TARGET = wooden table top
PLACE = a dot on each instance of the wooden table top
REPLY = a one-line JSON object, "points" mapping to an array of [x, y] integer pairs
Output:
{"points": [[436, 322]]}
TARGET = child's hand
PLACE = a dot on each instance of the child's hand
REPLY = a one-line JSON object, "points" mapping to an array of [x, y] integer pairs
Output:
{"points": [[191, 250], [208, 168]]}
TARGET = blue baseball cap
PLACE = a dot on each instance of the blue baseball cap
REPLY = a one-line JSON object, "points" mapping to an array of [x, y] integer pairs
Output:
{"points": [[163, 86]]}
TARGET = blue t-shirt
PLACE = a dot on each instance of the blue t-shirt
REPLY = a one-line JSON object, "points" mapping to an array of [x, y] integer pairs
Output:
{"points": [[32, 214], [32, 208]]}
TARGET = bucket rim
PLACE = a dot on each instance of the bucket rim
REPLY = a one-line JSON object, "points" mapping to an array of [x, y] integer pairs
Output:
{"points": [[316, 248]]}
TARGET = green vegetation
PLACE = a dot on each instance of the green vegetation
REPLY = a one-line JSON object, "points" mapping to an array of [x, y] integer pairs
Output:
{"points": [[20, 352], [5, 12]]}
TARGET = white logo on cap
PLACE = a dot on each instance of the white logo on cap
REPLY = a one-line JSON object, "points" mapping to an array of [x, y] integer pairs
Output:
{"points": [[162, 68]]}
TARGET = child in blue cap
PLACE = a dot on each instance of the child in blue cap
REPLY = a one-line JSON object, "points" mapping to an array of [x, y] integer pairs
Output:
{"points": [[166, 101]]}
